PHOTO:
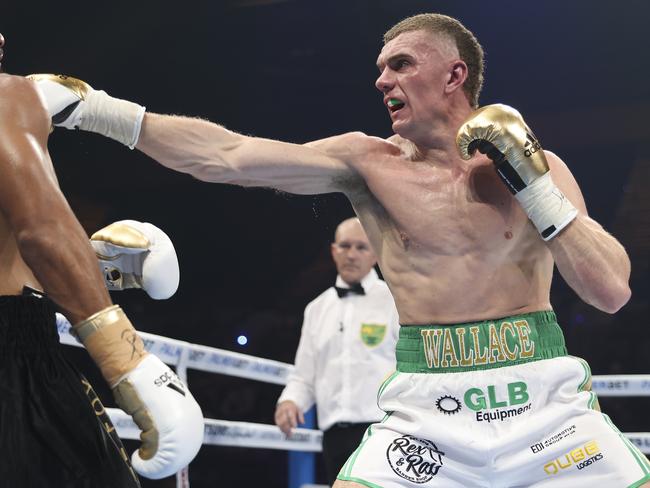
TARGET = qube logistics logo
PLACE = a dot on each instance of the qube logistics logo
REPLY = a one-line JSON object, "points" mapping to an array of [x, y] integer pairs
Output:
{"points": [[416, 460], [580, 458], [492, 403]]}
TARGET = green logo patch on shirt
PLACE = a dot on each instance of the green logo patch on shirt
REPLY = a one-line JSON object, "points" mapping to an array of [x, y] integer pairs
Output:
{"points": [[373, 334]]}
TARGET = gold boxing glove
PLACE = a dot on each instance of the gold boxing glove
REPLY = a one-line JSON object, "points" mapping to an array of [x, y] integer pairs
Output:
{"points": [[500, 132]]}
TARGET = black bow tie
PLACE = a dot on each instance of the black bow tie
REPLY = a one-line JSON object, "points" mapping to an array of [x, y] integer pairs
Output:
{"points": [[354, 289]]}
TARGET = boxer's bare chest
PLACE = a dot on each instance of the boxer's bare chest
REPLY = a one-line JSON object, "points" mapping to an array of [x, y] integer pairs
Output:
{"points": [[452, 242], [443, 209]]}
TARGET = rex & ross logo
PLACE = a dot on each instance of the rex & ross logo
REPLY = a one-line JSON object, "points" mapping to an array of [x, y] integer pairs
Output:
{"points": [[416, 460]]}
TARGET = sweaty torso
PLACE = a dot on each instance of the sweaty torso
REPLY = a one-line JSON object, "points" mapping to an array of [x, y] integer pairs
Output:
{"points": [[13, 270], [452, 242], [14, 273]]}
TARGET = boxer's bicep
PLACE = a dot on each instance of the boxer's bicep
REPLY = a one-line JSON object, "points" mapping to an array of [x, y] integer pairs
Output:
{"points": [[30, 191]]}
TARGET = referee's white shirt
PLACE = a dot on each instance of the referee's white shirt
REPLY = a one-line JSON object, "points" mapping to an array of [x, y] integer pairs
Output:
{"points": [[346, 350]]}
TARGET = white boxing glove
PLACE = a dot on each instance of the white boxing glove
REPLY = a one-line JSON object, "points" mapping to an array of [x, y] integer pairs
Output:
{"points": [[170, 419], [144, 387], [136, 254], [74, 104]]}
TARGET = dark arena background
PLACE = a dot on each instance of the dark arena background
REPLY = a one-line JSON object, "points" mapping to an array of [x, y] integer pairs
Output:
{"points": [[298, 70]]}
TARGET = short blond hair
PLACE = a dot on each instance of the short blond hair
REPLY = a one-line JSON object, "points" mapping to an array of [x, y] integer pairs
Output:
{"points": [[469, 49]]}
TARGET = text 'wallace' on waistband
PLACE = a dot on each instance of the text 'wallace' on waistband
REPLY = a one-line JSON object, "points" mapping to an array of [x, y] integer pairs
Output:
{"points": [[479, 345]]}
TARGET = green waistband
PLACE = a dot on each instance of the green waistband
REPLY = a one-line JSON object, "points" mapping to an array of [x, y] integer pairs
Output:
{"points": [[481, 345]]}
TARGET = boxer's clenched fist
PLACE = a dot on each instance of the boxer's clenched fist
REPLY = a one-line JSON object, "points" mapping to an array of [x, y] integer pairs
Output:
{"points": [[500, 132], [74, 104]]}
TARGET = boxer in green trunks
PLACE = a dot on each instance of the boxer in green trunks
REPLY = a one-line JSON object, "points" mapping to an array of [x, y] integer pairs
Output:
{"points": [[468, 216]]}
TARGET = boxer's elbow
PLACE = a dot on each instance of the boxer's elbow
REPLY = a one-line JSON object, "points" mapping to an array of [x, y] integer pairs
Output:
{"points": [[35, 244], [230, 163], [612, 298], [211, 170], [619, 299], [214, 170]]}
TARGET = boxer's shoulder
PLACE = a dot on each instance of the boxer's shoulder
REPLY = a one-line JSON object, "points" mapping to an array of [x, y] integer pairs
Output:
{"points": [[364, 143], [400, 146], [353, 143], [21, 102], [13, 86]]}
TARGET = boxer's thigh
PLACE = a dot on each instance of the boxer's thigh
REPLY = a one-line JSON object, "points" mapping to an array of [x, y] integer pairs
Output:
{"points": [[567, 441], [387, 458], [415, 443]]}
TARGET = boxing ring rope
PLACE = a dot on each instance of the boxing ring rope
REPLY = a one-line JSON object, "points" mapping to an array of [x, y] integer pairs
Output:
{"points": [[184, 355]]}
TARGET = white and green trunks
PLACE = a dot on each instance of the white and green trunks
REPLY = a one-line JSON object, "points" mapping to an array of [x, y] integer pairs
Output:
{"points": [[512, 409]]}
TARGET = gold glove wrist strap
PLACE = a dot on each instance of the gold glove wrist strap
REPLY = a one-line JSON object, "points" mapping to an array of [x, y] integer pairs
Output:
{"points": [[96, 321], [112, 342]]}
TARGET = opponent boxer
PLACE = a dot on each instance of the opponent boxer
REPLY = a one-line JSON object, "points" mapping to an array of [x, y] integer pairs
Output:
{"points": [[485, 393], [54, 431]]}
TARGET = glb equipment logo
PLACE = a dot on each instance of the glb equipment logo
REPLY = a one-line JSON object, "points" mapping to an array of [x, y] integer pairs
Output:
{"points": [[448, 405], [493, 402]]}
